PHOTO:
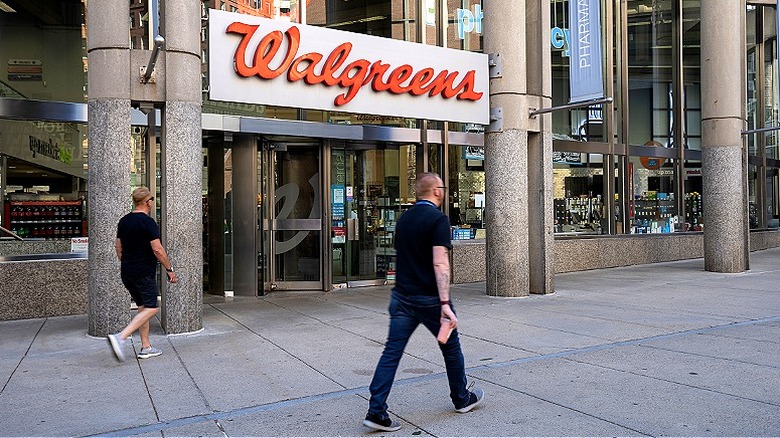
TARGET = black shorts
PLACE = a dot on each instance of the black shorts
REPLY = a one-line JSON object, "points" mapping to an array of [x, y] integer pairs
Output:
{"points": [[142, 289]]}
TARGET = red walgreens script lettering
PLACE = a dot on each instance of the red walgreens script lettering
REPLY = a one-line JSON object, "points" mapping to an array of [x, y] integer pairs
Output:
{"points": [[356, 74]]}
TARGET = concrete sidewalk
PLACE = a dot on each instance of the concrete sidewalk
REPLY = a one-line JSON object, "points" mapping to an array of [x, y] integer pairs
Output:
{"points": [[663, 349]]}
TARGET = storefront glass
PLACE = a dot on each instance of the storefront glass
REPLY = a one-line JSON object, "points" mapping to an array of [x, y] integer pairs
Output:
{"points": [[661, 113], [466, 25], [762, 115], [44, 51], [653, 202], [771, 79], [42, 163], [578, 193], [467, 192], [45, 178], [694, 209], [296, 215], [370, 188], [772, 195]]}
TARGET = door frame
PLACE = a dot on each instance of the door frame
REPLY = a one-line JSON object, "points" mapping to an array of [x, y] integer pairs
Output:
{"points": [[269, 224]]}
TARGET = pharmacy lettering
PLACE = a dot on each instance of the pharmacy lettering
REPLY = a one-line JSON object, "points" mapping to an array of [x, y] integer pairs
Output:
{"points": [[315, 68], [585, 71]]}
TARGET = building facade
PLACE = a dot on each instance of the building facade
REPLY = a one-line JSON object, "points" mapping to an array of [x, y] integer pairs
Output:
{"points": [[255, 198]]}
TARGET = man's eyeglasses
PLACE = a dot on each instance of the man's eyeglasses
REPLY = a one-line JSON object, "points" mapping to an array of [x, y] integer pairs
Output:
{"points": [[441, 187], [150, 199]]}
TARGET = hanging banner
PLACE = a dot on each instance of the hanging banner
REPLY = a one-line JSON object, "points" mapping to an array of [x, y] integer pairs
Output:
{"points": [[585, 76]]}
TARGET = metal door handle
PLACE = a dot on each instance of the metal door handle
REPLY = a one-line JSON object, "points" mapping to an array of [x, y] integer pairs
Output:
{"points": [[353, 229]]}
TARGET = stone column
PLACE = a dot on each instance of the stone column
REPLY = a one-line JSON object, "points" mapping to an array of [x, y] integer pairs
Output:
{"points": [[518, 154], [182, 167], [726, 247], [108, 52]]}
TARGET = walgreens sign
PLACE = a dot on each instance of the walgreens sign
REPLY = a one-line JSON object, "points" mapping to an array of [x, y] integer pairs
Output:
{"points": [[271, 62]]}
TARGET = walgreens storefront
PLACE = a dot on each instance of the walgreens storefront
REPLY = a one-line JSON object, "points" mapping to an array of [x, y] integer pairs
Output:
{"points": [[312, 203]]}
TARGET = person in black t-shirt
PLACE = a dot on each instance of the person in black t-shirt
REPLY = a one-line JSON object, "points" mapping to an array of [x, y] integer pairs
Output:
{"points": [[421, 296], [138, 248]]}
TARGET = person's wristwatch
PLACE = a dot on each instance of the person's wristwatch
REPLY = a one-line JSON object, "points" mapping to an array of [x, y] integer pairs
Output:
{"points": [[169, 270], [448, 303]]}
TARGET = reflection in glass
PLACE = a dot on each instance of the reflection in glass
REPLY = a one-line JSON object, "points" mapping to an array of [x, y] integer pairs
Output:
{"points": [[44, 48]]}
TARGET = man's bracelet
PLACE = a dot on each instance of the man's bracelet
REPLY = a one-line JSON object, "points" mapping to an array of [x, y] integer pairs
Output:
{"points": [[448, 303]]}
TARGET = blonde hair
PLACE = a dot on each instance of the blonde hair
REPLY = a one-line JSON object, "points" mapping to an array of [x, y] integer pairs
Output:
{"points": [[141, 195]]}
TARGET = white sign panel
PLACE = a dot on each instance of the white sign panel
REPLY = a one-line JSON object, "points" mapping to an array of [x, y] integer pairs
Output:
{"points": [[272, 62], [79, 244]]}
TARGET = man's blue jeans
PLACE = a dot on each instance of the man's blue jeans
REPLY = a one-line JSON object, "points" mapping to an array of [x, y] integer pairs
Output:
{"points": [[406, 313]]}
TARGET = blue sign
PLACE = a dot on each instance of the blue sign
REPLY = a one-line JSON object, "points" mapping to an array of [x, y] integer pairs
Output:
{"points": [[468, 21], [559, 38], [337, 199], [585, 76]]}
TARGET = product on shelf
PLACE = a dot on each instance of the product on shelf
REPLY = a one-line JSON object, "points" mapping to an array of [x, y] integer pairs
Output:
{"points": [[45, 219]]}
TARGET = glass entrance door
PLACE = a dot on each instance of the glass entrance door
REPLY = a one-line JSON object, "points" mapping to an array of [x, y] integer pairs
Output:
{"points": [[291, 225], [366, 200]]}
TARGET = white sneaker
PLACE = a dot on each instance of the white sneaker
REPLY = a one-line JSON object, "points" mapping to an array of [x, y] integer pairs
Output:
{"points": [[116, 346], [146, 353]]}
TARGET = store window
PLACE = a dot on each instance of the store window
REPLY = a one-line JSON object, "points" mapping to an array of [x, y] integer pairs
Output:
{"points": [[694, 209], [762, 116], [578, 193], [773, 193], [466, 25], [44, 184], [370, 189], [44, 51], [467, 192], [653, 201]]}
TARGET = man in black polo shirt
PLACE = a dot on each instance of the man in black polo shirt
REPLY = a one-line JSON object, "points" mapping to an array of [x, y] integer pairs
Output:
{"points": [[139, 249], [421, 296]]}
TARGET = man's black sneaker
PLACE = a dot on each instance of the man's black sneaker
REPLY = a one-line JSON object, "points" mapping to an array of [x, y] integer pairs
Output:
{"points": [[475, 398], [375, 422]]}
